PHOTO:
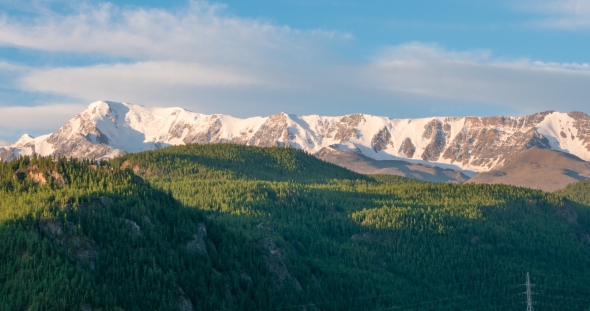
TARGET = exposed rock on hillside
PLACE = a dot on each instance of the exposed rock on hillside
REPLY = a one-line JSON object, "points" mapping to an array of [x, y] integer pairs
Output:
{"points": [[83, 250], [198, 244], [275, 260]]}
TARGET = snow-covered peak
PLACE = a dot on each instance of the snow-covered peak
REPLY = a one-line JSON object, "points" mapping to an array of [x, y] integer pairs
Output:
{"points": [[106, 129], [23, 140], [98, 109]]}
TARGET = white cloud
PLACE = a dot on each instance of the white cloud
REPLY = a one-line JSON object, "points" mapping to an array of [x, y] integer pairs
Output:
{"points": [[47, 117], [200, 32], [477, 76], [121, 80], [561, 14]]}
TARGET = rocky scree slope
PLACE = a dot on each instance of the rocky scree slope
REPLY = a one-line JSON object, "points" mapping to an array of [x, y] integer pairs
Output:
{"points": [[472, 144]]}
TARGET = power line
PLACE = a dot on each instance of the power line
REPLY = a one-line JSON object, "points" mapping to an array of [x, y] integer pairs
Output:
{"points": [[529, 293]]}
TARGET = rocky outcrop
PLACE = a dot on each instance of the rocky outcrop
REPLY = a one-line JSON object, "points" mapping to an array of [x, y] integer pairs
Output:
{"points": [[275, 259], [581, 124], [434, 132], [133, 226], [407, 148], [272, 132], [184, 304], [209, 135], [198, 245], [7, 154], [82, 249], [39, 177], [382, 140]]}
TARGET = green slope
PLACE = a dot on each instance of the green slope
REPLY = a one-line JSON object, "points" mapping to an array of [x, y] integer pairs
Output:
{"points": [[578, 192], [284, 231]]}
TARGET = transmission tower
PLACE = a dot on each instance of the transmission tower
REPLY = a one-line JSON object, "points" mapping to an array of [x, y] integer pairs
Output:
{"points": [[529, 293]]}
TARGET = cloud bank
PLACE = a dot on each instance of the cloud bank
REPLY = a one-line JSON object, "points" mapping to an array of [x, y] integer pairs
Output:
{"points": [[205, 60]]}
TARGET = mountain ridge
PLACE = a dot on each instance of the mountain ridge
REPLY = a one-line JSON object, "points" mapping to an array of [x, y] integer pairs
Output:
{"points": [[471, 144]]}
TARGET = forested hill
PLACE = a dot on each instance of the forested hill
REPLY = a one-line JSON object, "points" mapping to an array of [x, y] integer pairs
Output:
{"points": [[227, 227], [578, 192]]}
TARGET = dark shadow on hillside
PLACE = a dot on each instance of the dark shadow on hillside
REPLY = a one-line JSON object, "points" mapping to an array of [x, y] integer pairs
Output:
{"points": [[256, 163], [574, 174]]}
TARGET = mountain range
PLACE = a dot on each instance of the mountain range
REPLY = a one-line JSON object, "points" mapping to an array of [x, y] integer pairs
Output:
{"points": [[436, 148]]}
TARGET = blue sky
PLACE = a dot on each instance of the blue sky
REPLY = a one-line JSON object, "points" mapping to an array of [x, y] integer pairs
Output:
{"points": [[258, 57]]}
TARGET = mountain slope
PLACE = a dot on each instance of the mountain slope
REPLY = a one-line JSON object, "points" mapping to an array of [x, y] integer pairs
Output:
{"points": [[233, 227], [362, 164], [108, 129], [537, 168], [578, 192], [392, 241]]}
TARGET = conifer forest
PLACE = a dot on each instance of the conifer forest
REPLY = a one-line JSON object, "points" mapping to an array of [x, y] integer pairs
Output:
{"points": [[231, 227]]}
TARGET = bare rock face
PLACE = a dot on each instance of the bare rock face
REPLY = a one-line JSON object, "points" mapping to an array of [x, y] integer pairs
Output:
{"points": [[435, 132], [487, 143], [184, 304], [83, 250], [582, 127], [273, 131], [78, 146], [134, 227], [7, 154], [210, 135], [198, 245], [407, 148], [346, 129], [38, 176], [275, 260], [382, 140]]}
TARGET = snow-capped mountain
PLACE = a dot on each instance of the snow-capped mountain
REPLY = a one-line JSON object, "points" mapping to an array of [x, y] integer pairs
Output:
{"points": [[108, 129]]}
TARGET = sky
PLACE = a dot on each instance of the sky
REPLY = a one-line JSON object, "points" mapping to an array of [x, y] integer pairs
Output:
{"points": [[401, 59]]}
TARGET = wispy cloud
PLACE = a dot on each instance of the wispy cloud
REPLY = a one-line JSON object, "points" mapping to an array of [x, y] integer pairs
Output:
{"points": [[52, 115], [17, 120], [560, 14], [201, 32], [478, 76]]}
